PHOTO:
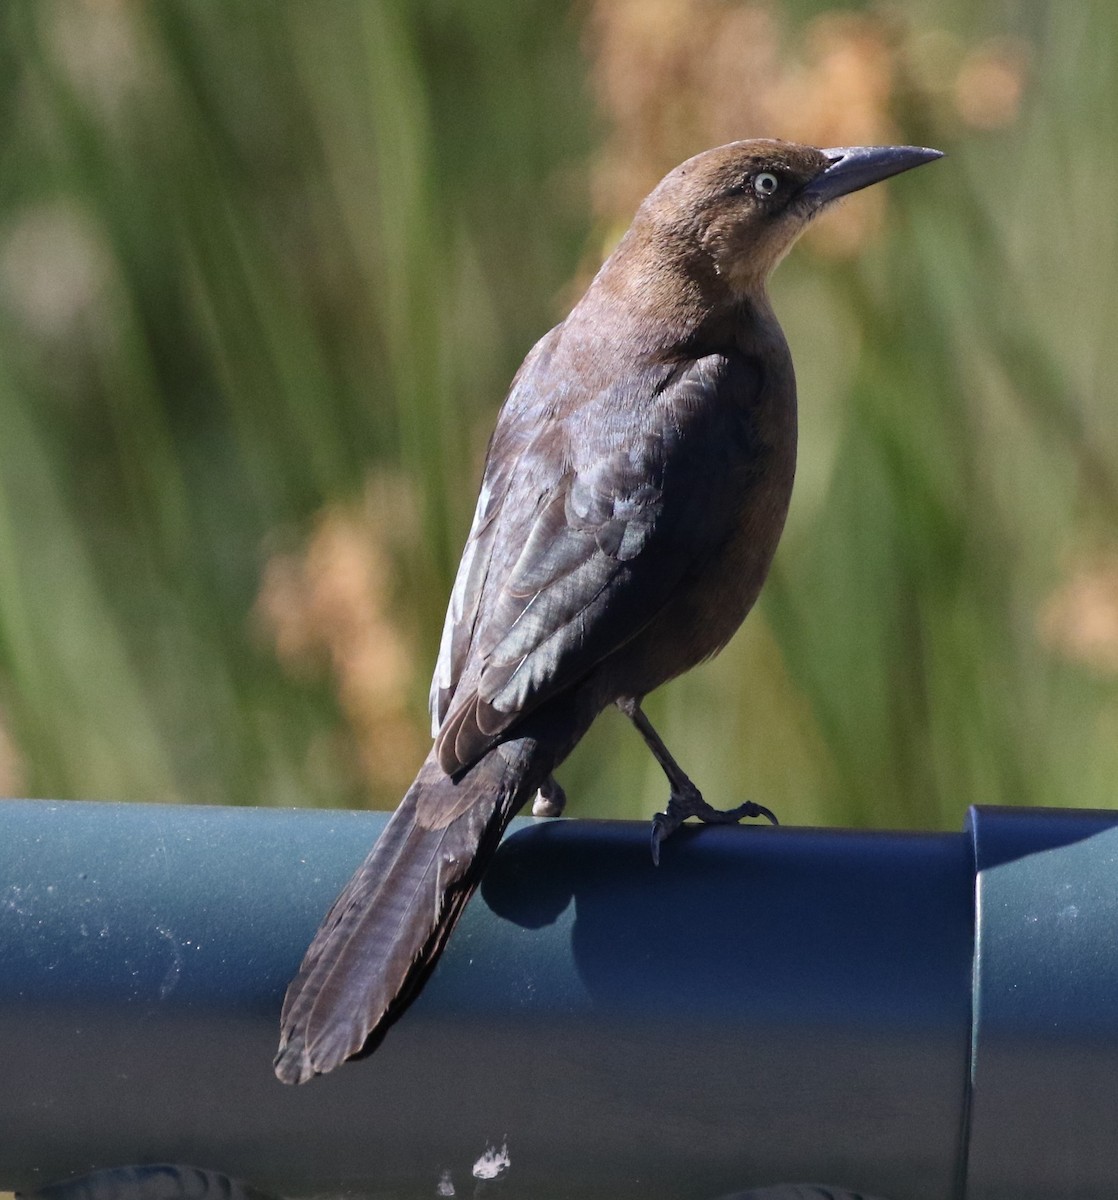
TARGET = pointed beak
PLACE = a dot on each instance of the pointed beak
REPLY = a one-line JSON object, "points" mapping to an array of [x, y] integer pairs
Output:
{"points": [[856, 167]]}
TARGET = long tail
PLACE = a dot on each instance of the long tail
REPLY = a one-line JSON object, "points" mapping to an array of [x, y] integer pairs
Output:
{"points": [[388, 927]]}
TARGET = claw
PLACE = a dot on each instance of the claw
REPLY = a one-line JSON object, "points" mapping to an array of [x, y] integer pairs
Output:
{"points": [[682, 806], [748, 809], [665, 823], [659, 832]]}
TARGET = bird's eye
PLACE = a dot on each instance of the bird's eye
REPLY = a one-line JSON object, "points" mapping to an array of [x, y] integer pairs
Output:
{"points": [[765, 183]]}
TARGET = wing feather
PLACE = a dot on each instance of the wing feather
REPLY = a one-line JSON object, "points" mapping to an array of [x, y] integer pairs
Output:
{"points": [[577, 545]]}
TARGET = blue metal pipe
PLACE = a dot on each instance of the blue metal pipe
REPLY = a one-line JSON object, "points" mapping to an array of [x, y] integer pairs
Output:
{"points": [[769, 1006]]}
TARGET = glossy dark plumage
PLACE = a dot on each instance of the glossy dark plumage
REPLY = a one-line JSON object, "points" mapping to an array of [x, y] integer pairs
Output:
{"points": [[634, 492]]}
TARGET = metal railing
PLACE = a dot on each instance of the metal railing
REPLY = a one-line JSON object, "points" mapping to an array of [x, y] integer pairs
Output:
{"points": [[769, 1006]]}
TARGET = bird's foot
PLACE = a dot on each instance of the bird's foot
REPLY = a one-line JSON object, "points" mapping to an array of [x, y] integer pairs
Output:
{"points": [[689, 802], [550, 799]]}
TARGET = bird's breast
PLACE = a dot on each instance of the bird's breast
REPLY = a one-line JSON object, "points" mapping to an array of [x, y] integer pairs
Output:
{"points": [[749, 469], [729, 580]]}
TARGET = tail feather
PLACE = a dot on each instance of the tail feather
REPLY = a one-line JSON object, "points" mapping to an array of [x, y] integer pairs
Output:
{"points": [[388, 927]]}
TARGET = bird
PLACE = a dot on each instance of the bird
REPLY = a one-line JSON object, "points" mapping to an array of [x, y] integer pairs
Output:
{"points": [[634, 490]]}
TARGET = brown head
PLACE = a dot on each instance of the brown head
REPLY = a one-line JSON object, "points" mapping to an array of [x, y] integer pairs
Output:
{"points": [[725, 218]]}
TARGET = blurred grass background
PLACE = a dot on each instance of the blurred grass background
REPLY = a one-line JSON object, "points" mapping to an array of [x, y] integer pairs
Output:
{"points": [[266, 269]]}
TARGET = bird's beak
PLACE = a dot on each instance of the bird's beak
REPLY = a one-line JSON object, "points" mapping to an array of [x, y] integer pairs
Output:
{"points": [[856, 167]]}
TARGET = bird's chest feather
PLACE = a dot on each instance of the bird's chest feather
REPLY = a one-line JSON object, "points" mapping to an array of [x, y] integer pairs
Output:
{"points": [[753, 455], [726, 481]]}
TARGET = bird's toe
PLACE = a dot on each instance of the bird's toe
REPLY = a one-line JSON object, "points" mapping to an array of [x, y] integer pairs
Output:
{"points": [[550, 799]]}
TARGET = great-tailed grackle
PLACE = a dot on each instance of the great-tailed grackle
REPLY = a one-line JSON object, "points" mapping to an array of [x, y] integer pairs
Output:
{"points": [[634, 492]]}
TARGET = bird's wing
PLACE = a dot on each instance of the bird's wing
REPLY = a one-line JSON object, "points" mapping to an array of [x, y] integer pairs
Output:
{"points": [[592, 513]]}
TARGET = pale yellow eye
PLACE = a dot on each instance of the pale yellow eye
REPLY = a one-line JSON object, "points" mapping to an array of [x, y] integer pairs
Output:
{"points": [[765, 183]]}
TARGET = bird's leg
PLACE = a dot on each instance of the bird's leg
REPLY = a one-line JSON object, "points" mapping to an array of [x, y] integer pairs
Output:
{"points": [[550, 799], [685, 800]]}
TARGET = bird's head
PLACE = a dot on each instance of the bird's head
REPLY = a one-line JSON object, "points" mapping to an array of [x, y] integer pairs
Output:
{"points": [[740, 207]]}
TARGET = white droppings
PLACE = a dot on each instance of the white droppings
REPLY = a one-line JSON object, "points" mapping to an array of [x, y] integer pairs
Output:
{"points": [[445, 1186], [13, 901], [493, 1163], [174, 968]]}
